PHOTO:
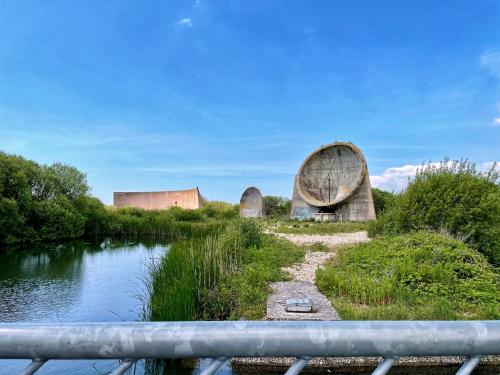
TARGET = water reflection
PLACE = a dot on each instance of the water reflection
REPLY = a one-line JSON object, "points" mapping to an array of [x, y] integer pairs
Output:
{"points": [[74, 282]]}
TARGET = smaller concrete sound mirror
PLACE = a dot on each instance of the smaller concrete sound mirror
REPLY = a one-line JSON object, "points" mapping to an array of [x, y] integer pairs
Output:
{"points": [[252, 203], [333, 185]]}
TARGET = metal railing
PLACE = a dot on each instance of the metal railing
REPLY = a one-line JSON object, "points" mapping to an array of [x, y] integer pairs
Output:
{"points": [[221, 341]]}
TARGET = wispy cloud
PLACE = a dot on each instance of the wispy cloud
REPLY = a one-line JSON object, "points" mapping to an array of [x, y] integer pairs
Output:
{"points": [[396, 178], [496, 121], [490, 60], [188, 22]]}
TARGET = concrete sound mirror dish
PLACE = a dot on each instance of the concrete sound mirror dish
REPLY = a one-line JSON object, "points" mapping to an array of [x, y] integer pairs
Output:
{"points": [[333, 184]]}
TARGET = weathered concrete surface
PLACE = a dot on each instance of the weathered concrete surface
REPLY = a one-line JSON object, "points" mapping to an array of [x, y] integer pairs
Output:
{"points": [[252, 203], [333, 179], [159, 200]]}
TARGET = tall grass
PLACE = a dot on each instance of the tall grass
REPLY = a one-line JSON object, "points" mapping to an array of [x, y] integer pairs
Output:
{"points": [[177, 283], [243, 294], [174, 224]]}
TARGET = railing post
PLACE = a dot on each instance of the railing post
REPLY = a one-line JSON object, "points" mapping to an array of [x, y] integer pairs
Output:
{"points": [[33, 366], [214, 366], [468, 365], [124, 366], [298, 366], [384, 367]]}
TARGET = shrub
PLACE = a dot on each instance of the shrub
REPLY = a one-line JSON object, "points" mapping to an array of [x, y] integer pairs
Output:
{"points": [[413, 276], [38, 202], [277, 207], [381, 200], [452, 197], [220, 210]]}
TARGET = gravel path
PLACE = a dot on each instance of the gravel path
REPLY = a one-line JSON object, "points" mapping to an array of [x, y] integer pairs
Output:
{"points": [[306, 271], [303, 276], [330, 240]]}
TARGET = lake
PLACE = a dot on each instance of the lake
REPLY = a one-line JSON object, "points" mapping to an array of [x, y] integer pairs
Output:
{"points": [[75, 282]]}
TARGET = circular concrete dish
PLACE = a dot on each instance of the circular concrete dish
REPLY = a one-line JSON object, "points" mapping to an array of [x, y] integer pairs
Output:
{"points": [[331, 174], [252, 203]]}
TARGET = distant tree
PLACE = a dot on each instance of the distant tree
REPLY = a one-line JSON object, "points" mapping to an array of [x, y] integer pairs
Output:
{"points": [[69, 181], [40, 202], [381, 199], [277, 207]]}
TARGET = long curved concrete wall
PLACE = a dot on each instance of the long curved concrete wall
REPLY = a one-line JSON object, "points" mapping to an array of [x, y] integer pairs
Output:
{"points": [[159, 200]]}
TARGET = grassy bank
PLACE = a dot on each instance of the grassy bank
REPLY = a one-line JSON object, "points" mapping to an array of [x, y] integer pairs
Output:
{"points": [[415, 276], [300, 227], [222, 276]]}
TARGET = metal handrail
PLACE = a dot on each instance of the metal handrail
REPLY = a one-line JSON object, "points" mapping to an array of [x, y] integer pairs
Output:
{"points": [[223, 340]]}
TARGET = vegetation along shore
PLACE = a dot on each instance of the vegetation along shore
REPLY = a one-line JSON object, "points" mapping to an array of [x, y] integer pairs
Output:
{"points": [[434, 253]]}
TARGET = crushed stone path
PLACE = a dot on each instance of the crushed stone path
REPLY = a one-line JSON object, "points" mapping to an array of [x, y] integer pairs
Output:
{"points": [[303, 277], [330, 240]]}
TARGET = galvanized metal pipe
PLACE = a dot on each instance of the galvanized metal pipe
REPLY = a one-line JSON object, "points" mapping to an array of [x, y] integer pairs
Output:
{"points": [[468, 366], [214, 366], [228, 339], [33, 367], [124, 366], [385, 366], [298, 366]]}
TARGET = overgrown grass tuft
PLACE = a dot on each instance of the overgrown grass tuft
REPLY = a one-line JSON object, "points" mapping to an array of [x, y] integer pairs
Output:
{"points": [[415, 276], [298, 227], [224, 275], [243, 294], [178, 281]]}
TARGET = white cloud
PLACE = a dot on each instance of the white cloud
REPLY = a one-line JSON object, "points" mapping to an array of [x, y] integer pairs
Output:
{"points": [[496, 121], [396, 178], [185, 22], [490, 60]]}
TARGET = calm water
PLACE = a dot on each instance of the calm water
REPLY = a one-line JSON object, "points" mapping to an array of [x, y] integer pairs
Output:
{"points": [[74, 282]]}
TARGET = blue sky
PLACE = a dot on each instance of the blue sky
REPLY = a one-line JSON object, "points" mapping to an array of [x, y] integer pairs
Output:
{"points": [[157, 95]]}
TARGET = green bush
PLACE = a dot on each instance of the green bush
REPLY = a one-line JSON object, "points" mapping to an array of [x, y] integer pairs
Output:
{"points": [[56, 219], [381, 200], [413, 276], [220, 210], [38, 202], [277, 207], [452, 197]]}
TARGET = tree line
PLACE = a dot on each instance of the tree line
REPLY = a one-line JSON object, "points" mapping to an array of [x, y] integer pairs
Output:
{"points": [[51, 202]]}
